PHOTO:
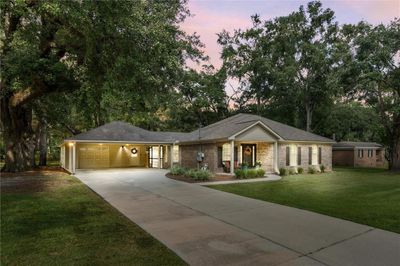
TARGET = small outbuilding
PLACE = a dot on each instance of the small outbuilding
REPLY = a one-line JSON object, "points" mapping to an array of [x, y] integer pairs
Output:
{"points": [[358, 154]]}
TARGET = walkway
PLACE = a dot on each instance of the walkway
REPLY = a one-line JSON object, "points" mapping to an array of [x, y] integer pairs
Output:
{"points": [[210, 227]]}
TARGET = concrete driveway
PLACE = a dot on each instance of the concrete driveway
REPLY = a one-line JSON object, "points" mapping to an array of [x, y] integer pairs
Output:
{"points": [[210, 227]]}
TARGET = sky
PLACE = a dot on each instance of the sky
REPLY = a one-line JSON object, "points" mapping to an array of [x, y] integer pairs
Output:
{"points": [[212, 16]]}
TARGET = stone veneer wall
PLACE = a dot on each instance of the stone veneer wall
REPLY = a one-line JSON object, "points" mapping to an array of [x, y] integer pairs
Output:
{"points": [[188, 155], [326, 155], [265, 154]]}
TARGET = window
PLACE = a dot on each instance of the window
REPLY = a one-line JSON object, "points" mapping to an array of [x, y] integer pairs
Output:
{"points": [[360, 153], [175, 153], [319, 155], [219, 157], [287, 155], [298, 155], [309, 155], [226, 152], [370, 153]]}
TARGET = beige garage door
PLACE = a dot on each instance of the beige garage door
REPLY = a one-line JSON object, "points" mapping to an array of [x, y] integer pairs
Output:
{"points": [[93, 156]]}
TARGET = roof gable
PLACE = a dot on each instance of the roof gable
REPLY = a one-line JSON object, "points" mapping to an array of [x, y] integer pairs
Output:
{"points": [[256, 132]]}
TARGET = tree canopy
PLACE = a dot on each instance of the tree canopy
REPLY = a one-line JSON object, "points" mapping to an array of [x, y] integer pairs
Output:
{"points": [[69, 66]]}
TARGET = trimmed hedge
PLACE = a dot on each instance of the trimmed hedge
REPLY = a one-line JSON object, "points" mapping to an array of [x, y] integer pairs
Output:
{"points": [[200, 175], [283, 171], [249, 173], [177, 170]]}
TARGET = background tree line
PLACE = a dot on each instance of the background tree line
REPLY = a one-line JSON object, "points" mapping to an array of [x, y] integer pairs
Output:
{"points": [[306, 70], [69, 66]]}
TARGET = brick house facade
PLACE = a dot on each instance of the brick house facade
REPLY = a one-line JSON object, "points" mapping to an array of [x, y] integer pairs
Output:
{"points": [[358, 154], [242, 139]]}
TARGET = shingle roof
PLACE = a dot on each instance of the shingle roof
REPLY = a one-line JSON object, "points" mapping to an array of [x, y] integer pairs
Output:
{"points": [[121, 131], [234, 124], [356, 144]]}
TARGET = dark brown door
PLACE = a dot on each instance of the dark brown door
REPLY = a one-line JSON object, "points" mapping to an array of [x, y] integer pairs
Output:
{"points": [[249, 154]]}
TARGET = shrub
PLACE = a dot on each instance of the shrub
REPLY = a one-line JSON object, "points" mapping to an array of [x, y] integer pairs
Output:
{"points": [[260, 172], [251, 173], [292, 171], [322, 168], [239, 173], [203, 175], [300, 170], [177, 170], [283, 171], [200, 175], [311, 170]]}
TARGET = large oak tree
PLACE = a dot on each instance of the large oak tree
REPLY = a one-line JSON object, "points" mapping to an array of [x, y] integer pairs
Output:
{"points": [[89, 48]]}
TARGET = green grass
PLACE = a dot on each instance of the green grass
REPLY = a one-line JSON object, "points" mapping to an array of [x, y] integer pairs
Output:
{"points": [[366, 196], [59, 221]]}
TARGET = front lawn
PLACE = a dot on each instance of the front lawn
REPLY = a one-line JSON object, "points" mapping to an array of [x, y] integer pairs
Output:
{"points": [[51, 218], [366, 196]]}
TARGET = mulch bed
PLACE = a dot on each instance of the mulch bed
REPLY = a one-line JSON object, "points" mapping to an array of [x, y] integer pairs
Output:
{"points": [[36, 180], [191, 180]]}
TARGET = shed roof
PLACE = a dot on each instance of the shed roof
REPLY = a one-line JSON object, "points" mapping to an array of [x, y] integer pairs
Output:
{"points": [[356, 144]]}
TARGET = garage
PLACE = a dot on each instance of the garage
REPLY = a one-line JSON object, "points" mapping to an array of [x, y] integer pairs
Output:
{"points": [[117, 145]]}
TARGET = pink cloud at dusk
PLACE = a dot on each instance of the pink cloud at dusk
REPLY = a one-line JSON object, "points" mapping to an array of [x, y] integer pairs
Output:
{"points": [[212, 17]]}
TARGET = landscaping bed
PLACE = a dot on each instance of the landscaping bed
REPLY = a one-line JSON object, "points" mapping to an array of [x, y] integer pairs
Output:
{"points": [[191, 180], [51, 218]]}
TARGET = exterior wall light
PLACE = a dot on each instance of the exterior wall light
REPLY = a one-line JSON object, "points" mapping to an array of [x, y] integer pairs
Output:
{"points": [[134, 151]]}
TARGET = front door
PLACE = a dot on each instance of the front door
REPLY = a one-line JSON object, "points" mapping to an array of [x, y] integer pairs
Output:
{"points": [[249, 154], [156, 156]]}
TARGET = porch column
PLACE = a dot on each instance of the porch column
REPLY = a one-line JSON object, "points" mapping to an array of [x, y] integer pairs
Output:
{"points": [[171, 157], [232, 170], [240, 154], [276, 168], [159, 156], [70, 156], [73, 158]]}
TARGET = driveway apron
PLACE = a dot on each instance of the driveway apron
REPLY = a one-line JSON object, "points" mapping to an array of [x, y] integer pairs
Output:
{"points": [[211, 227]]}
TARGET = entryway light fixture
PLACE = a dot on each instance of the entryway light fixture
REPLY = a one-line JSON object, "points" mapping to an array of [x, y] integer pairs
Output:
{"points": [[134, 151]]}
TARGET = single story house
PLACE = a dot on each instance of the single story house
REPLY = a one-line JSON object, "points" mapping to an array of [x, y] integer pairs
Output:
{"points": [[222, 146], [358, 154]]}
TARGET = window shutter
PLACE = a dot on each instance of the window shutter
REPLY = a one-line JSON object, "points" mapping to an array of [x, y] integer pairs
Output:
{"points": [[287, 155], [319, 155]]}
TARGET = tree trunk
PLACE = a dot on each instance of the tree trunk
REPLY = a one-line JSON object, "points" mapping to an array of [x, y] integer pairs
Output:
{"points": [[394, 156], [18, 136], [308, 117], [42, 143]]}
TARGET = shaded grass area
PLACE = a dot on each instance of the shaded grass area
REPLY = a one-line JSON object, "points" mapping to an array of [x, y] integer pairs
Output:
{"points": [[57, 220], [366, 196]]}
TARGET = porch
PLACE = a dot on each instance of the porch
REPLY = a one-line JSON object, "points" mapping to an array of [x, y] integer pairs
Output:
{"points": [[236, 154]]}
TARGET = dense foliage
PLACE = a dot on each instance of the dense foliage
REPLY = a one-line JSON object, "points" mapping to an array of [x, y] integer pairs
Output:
{"points": [[68, 66], [305, 70]]}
